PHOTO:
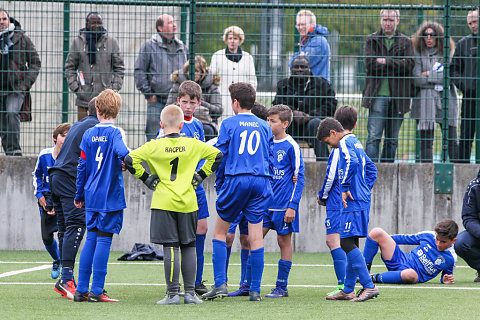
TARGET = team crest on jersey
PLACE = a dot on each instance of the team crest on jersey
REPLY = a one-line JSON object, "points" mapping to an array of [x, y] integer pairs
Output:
{"points": [[196, 135], [440, 260], [280, 155]]}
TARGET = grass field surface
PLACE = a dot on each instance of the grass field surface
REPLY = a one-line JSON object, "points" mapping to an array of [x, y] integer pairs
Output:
{"points": [[26, 292]]}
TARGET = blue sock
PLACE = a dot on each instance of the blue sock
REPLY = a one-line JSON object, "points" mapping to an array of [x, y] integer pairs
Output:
{"points": [[229, 251], [390, 277], [360, 268], [283, 272], [339, 264], [219, 258], [67, 274], [52, 249], [370, 250], [248, 272], [86, 260], [350, 277], [200, 246], [100, 260], [257, 260], [244, 259]]}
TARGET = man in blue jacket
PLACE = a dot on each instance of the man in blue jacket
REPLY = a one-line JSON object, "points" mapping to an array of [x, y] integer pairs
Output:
{"points": [[313, 44], [468, 241]]}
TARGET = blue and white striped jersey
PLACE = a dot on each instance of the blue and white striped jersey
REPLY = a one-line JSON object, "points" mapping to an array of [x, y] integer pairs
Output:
{"points": [[40, 174], [330, 191]]}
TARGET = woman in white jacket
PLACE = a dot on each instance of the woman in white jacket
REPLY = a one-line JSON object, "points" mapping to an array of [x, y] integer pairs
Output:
{"points": [[233, 65]]}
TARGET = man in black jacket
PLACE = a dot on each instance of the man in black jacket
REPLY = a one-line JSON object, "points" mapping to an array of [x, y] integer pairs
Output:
{"points": [[468, 241], [464, 73], [311, 99]]}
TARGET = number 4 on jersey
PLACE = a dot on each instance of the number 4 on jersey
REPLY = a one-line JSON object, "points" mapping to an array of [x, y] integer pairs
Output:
{"points": [[99, 158]]}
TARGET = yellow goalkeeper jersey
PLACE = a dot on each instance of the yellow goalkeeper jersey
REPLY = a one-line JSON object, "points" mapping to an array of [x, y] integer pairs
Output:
{"points": [[174, 159]]}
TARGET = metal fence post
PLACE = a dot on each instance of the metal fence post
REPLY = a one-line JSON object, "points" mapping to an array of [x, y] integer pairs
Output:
{"points": [[418, 157], [446, 79], [477, 103], [66, 45], [191, 40]]}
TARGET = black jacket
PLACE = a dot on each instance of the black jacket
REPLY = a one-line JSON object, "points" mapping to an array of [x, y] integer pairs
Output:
{"points": [[316, 97], [471, 207], [464, 66]]}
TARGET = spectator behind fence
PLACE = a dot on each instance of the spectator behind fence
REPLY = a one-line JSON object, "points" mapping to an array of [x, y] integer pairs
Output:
{"points": [[159, 57], [19, 68], [311, 98], [464, 73], [211, 103], [233, 65], [388, 88], [428, 76], [313, 44], [94, 63]]}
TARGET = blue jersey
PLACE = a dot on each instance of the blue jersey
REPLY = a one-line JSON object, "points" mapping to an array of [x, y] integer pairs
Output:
{"points": [[330, 192], [246, 142], [426, 259], [356, 173], [100, 178], [288, 162], [40, 175]]}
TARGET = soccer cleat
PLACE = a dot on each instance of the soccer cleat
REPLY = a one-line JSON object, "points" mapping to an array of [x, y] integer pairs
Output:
{"points": [[80, 297], [477, 279], [255, 296], [170, 298], [374, 276], [341, 296], [242, 291], [191, 298], [100, 298], [200, 288], [216, 292], [337, 290], [366, 294], [56, 267], [277, 292], [66, 289]]}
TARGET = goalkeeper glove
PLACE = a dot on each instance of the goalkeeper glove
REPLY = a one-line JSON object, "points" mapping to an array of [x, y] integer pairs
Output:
{"points": [[152, 181], [196, 181]]}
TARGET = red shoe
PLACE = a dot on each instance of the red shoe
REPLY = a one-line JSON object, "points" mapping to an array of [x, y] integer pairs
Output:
{"points": [[66, 289], [100, 298]]}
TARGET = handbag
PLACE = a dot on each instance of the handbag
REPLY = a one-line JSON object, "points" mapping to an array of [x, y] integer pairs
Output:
{"points": [[26, 109]]}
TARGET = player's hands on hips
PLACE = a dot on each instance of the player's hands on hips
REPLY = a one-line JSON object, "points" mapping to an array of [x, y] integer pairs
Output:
{"points": [[345, 196], [294, 179], [448, 279], [196, 181], [152, 181], [51, 212], [42, 202], [289, 215], [321, 202], [124, 166], [78, 204]]}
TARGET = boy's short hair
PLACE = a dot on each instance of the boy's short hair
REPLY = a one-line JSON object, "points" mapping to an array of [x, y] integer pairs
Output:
{"points": [[191, 89], [61, 129], [91, 106], [244, 93], [284, 112], [447, 228], [347, 116], [108, 103], [326, 125], [260, 111], [171, 116]]}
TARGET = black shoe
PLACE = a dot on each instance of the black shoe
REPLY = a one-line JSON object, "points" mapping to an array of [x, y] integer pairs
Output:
{"points": [[80, 297], [477, 279], [373, 276], [216, 292], [100, 298], [200, 289], [255, 296]]}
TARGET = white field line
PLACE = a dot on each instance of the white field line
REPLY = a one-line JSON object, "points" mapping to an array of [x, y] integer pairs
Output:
{"points": [[12, 273], [413, 287]]}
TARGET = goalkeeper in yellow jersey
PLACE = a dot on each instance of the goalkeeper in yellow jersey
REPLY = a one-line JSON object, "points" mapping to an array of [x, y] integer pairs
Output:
{"points": [[172, 160]]}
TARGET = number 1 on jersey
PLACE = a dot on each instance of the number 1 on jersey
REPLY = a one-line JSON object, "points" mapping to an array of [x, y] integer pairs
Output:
{"points": [[99, 158], [174, 164]]}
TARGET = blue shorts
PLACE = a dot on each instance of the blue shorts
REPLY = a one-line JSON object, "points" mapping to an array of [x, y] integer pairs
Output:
{"points": [[202, 205], [333, 222], [275, 220], [242, 224], [354, 224], [398, 262], [247, 193], [105, 221]]}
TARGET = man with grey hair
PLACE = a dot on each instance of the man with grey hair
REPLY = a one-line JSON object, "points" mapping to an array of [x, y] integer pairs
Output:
{"points": [[159, 57], [464, 74], [387, 94], [313, 44]]}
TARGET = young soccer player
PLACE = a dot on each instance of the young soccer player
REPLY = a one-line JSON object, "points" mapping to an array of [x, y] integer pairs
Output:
{"points": [[189, 96], [48, 219], [247, 144], [100, 188], [282, 215], [331, 197], [356, 175], [433, 255], [173, 160]]}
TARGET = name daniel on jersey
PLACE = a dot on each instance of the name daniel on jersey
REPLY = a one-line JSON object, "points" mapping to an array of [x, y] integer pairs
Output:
{"points": [[99, 139]]}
